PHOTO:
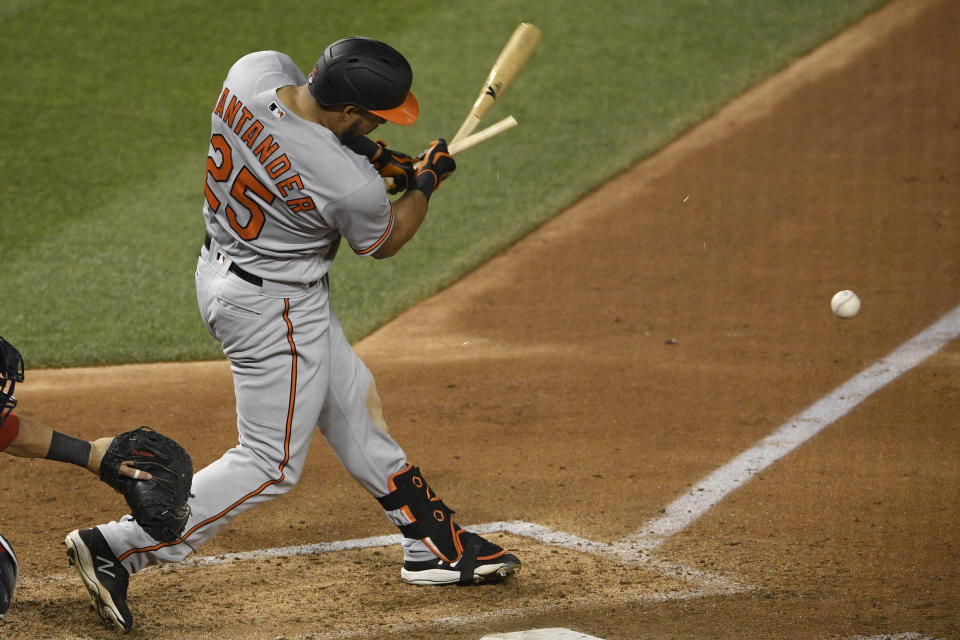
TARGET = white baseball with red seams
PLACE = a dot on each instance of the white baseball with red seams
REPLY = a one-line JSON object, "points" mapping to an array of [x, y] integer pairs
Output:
{"points": [[845, 304]]}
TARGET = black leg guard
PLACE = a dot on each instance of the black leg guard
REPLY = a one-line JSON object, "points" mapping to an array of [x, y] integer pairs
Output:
{"points": [[430, 519], [463, 557]]}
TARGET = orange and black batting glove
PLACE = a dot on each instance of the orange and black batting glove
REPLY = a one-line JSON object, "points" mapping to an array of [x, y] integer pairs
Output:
{"points": [[436, 165], [394, 164], [389, 163]]}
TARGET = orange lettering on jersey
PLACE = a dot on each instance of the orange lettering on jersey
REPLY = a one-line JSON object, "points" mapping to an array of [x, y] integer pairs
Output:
{"points": [[243, 118], [278, 166], [301, 204], [265, 149], [219, 172], [231, 111], [250, 135], [218, 110], [245, 182], [293, 182]]}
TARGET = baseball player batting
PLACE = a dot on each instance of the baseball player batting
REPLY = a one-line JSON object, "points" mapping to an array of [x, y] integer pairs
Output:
{"points": [[290, 174]]}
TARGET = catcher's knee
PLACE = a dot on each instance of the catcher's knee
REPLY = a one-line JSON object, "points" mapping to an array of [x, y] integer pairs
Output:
{"points": [[9, 571], [424, 516]]}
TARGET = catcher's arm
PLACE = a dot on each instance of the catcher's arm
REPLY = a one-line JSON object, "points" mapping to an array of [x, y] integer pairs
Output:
{"points": [[27, 438], [157, 500], [32, 439]]}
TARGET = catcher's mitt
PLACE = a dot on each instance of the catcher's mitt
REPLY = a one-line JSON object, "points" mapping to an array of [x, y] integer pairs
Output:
{"points": [[159, 504]]}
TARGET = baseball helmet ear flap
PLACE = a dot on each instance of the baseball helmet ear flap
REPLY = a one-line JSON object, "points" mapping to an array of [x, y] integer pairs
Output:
{"points": [[365, 73], [11, 372]]}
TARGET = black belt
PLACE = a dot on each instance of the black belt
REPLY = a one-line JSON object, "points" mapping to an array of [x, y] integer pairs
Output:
{"points": [[240, 273]]}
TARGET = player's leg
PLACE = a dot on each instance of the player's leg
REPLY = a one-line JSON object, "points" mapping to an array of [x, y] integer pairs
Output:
{"points": [[277, 347], [435, 549], [352, 421]]}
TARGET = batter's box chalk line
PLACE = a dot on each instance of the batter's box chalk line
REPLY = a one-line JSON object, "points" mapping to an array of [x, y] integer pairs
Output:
{"points": [[703, 583]]}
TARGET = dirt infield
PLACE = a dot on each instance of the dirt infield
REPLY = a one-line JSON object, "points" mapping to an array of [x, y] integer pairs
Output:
{"points": [[565, 395]]}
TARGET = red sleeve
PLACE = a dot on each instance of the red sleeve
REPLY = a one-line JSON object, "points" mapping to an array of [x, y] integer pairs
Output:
{"points": [[9, 430]]}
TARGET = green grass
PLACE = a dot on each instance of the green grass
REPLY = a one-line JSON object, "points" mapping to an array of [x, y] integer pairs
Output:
{"points": [[107, 120]]}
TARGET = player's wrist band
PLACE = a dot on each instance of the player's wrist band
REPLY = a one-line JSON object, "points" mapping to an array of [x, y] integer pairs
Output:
{"points": [[425, 182], [64, 448]]}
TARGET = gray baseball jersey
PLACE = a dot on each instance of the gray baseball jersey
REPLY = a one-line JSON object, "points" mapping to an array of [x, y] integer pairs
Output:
{"points": [[281, 191]]}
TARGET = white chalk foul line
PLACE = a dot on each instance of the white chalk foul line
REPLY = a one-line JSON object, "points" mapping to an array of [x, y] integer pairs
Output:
{"points": [[797, 430]]}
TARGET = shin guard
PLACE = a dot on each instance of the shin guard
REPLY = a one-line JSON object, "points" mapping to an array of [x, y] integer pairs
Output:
{"points": [[459, 552], [428, 519], [462, 557]]}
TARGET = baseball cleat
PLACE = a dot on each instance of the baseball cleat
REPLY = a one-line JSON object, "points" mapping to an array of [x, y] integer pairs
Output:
{"points": [[480, 562], [102, 574]]}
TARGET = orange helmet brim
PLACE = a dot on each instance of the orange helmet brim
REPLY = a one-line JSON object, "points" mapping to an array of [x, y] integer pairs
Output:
{"points": [[405, 114]]}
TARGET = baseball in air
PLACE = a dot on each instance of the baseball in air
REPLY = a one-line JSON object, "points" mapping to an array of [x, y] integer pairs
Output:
{"points": [[845, 304]]}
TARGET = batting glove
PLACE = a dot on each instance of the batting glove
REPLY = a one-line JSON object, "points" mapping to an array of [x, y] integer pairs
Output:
{"points": [[389, 163], [436, 165]]}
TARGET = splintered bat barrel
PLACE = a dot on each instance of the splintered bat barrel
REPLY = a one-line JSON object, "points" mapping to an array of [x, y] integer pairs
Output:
{"points": [[484, 134], [514, 56]]}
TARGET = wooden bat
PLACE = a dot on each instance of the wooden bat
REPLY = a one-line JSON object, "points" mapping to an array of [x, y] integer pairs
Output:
{"points": [[473, 139], [524, 41], [484, 134]]}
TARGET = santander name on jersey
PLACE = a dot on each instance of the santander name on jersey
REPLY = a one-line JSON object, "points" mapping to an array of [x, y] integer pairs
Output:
{"points": [[250, 131]]}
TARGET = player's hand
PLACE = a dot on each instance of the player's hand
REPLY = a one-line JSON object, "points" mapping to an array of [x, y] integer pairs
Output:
{"points": [[99, 447], [394, 164], [389, 163], [127, 469], [436, 165]]}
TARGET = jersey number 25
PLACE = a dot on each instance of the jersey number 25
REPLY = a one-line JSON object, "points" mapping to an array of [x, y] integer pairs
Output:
{"points": [[244, 182]]}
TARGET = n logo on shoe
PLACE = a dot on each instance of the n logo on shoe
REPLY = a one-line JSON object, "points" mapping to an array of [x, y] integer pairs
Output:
{"points": [[107, 564]]}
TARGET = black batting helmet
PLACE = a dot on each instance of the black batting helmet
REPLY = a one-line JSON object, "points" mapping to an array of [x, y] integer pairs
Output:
{"points": [[11, 372], [365, 73]]}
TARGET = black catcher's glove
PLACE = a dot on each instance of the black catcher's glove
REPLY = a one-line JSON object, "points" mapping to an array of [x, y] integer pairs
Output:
{"points": [[389, 163], [159, 504], [436, 165]]}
